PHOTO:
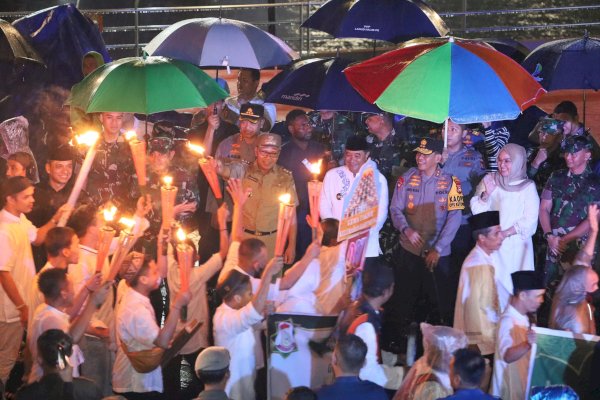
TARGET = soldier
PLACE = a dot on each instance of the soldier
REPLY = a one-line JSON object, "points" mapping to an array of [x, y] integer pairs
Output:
{"points": [[160, 156], [332, 130], [426, 208], [563, 206], [294, 156], [466, 164], [546, 158], [267, 181], [112, 174]]}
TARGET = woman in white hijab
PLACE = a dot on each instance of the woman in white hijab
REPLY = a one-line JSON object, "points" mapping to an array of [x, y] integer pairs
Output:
{"points": [[510, 192]]}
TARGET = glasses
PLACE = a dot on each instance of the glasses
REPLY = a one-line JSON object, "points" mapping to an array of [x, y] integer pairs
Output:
{"points": [[263, 153]]}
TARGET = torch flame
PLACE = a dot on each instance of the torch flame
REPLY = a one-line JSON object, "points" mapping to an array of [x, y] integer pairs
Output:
{"points": [[130, 135], [181, 236], [196, 149], [89, 138], [109, 213], [128, 222], [168, 180], [285, 198], [315, 168]]}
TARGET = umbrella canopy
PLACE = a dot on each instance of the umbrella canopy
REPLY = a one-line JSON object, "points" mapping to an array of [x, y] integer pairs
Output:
{"points": [[320, 84], [436, 79], [510, 47], [390, 20], [13, 46], [566, 64], [220, 42], [146, 86]]}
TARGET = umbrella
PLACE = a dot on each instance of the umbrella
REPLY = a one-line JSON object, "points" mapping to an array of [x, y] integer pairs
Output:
{"points": [[13, 46], [145, 85], [510, 47], [320, 84], [565, 67], [390, 20], [220, 42], [436, 79]]}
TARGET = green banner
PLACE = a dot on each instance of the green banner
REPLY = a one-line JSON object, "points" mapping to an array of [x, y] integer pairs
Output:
{"points": [[563, 358]]}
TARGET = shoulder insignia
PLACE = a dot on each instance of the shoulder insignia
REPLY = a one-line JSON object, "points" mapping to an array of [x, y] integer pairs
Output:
{"points": [[400, 183]]}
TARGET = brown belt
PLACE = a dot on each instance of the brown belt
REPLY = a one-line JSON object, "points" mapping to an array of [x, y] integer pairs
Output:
{"points": [[259, 233]]}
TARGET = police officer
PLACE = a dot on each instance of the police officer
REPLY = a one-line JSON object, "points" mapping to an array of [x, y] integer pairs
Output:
{"points": [[267, 181], [426, 208], [563, 206], [466, 164]]}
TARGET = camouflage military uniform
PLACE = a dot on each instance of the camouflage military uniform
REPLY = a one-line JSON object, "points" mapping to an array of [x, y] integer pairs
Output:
{"points": [[570, 195], [186, 183], [333, 137], [112, 176], [261, 210]]}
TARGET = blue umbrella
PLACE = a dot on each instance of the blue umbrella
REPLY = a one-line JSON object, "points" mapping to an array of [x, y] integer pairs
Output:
{"points": [[390, 20], [566, 64], [220, 42], [319, 84]]}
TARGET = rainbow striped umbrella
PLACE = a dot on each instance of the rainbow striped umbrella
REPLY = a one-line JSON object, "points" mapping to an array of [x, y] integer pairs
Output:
{"points": [[436, 79]]}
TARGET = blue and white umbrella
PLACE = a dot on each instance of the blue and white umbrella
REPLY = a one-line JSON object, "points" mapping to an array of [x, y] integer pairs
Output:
{"points": [[221, 42]]}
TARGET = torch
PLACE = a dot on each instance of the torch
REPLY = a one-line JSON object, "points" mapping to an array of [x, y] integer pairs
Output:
{"points": [[314, 194], [138, 152], [88, 139], [185, 255], [126, 242], [284, 220], [208, 168], [107, 233], [168, 193]]}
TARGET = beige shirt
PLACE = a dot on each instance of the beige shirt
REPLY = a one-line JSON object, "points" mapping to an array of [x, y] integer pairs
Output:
{"points": [[16, 236]]}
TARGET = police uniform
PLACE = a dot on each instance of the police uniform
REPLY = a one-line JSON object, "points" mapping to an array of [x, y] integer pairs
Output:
{"points": [[432, 206], [261, 210], [570, 195]]}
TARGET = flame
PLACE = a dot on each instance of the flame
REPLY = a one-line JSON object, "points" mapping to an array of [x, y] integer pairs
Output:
{"points": [[196, 149], [181, 236], [88, 138], [315, 168], [168, 180], [128, 222], [285, 198], [130, 135], [109, 213]]}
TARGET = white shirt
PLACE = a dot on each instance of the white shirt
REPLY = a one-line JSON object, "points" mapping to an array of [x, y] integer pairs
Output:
{"points": [[519, 210], [47, 317], [16, 236], [332, 285], [35, 296], [198, 305], [339, 181], [233, 330], [510, 379], [137, 329], [301, 298]]}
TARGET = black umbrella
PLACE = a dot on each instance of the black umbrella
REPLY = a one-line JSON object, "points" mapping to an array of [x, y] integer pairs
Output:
{"points": [[14, 47], [509, 47]]}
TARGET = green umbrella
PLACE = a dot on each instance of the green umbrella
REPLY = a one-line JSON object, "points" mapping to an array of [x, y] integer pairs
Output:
{"points": [[145, 85]]}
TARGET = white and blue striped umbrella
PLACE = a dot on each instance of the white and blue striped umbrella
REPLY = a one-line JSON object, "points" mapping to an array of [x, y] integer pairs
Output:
{"points": [[221, 42]]}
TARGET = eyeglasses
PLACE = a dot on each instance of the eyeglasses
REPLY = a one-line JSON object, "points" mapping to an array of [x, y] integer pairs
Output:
{"points": [[263, 153]]}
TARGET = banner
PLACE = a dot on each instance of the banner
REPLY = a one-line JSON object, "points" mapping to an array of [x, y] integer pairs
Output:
{"points": [[361, 204], [291, 362], [564, 358]]}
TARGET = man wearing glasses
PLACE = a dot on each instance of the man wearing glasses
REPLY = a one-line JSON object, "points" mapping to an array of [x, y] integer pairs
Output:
{"points": [[267, 181]]}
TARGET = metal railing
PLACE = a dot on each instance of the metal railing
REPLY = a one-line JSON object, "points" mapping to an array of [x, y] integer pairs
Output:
{"points": [[127, 30]]}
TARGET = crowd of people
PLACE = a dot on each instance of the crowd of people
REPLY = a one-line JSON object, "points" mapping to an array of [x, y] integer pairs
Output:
{"points": [[476, 240]]}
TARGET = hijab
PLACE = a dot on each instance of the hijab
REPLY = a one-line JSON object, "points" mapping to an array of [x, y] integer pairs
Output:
{"points": [[518, 170]]}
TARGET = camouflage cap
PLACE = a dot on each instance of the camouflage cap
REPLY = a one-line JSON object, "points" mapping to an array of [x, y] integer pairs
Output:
{"points": [[551, 126], [573, 144], [161, 144], [269, 140], [251, 112], [429, 145]]}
